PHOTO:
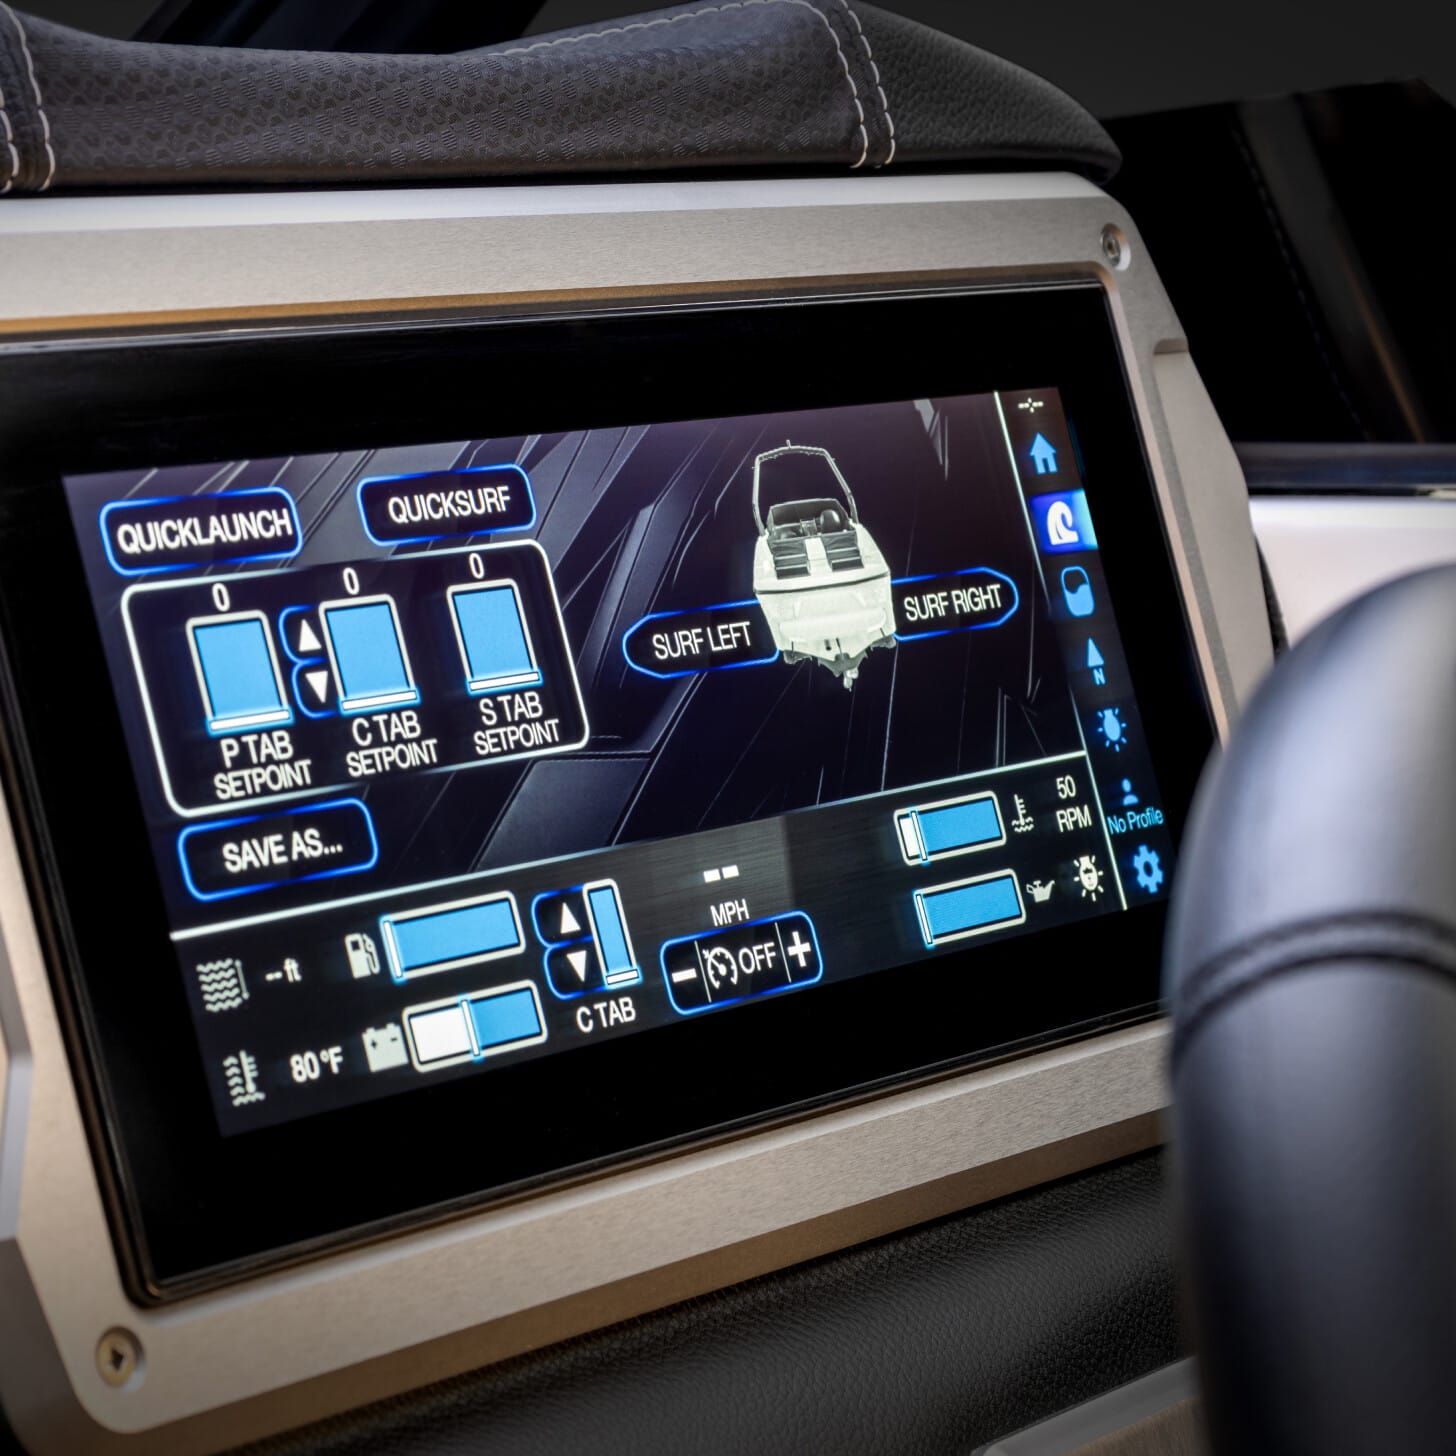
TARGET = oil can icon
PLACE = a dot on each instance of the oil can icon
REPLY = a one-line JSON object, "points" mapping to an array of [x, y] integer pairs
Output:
{"points": [[818, 574]]}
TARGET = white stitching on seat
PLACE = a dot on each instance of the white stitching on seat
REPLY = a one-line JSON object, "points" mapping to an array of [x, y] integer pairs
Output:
{"points": [[864, 137], [45, 121], [9, 146], [864, 40], [523, 50]]}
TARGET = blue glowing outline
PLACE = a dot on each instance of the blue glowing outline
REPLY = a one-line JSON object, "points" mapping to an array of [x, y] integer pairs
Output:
{"points": [[724, 930], [192, 829], [449, 535], [284, 613], [692, 671], [298, 667], [168, 500], [575, 940], [541, 935], [971, 626], [570, 995], [299, 663]]}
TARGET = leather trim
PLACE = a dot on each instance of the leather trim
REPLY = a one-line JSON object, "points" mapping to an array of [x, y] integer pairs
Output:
{"points": [[1410, 941], [935, 1340], [762, 84]]}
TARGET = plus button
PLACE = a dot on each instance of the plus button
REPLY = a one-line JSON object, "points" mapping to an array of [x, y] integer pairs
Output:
{"points": [[800, 949]]}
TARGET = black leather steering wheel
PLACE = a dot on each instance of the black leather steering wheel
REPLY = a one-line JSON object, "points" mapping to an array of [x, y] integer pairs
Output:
{"points": [[1312, 977]]}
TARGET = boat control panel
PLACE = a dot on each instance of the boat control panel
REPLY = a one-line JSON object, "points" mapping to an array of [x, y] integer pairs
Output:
{"points": [[608, 769]]}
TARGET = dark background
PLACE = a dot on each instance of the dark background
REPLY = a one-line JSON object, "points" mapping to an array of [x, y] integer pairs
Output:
{"points": [[1118, 60]]}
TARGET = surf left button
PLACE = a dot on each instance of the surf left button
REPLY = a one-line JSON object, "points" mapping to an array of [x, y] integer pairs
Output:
{"points": [[243, 856]]}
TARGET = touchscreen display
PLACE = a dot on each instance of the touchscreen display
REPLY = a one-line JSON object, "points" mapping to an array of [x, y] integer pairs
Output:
{"points": [[457, 756]]}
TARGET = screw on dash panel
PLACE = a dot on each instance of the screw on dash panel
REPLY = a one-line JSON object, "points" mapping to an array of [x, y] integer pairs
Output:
{"points": [[119, 1359], [1115, 247]]}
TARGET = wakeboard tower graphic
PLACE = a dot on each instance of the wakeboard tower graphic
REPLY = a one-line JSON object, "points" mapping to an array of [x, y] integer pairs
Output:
{"points": [[821, 580]]}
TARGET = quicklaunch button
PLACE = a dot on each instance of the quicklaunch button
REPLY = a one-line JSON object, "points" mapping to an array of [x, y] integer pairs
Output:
{"points": [[142, 536], [720, 967]]}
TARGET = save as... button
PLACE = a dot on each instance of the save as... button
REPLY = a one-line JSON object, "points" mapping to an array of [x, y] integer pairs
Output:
{"points": [[243, 856]]}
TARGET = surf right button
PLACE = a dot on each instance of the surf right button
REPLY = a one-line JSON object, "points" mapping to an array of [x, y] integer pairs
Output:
{"points": [[720, 967]]}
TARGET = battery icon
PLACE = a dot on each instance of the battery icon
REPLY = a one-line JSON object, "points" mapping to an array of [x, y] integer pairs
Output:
{"points": [[949, 827]]}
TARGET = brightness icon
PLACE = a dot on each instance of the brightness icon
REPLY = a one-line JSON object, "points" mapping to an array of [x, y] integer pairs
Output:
{"points": [[1112, 728]]}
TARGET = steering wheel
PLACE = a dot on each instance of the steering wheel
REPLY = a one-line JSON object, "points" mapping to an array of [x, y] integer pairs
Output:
{"points": [[1312, 979]]}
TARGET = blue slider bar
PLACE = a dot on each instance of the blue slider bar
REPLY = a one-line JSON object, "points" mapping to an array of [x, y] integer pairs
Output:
{"points": [[505, 1018], [609, 929], [465, 932], [952, 826], [969, 907], [469, 1028]]}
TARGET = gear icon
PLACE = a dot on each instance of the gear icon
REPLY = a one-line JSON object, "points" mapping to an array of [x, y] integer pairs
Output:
{"points": [[1148, 868]]}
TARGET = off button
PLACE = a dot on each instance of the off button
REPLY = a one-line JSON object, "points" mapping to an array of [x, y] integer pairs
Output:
{"points": [[720, 967]]}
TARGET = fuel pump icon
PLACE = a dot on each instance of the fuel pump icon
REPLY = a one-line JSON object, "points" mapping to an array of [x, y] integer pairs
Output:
{"points": [[363, 955]]}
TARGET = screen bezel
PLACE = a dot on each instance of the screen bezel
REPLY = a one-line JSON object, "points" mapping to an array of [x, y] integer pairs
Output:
{"points": [[192, 1208]]}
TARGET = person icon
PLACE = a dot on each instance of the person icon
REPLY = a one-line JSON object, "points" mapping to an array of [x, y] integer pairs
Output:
{"points": [[1128, 797]]}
